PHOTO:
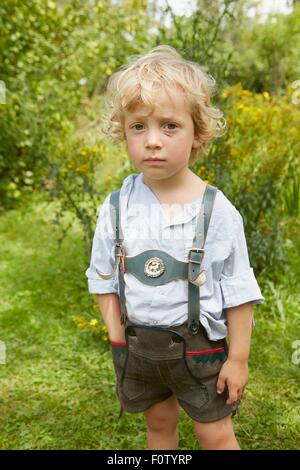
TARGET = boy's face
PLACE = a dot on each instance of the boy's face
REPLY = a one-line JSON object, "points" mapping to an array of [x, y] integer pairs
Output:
{"points": [[167, 133]]}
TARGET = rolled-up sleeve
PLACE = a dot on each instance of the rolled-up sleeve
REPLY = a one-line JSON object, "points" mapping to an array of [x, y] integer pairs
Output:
{"points": [[103, 254], [238, 282]]}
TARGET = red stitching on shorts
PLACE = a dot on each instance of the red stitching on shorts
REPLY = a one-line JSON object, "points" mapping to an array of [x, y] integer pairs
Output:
{"points": [[204, 351]]}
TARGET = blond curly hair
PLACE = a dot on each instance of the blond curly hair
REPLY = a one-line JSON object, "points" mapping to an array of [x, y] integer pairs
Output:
{"points": [[162, 68]]}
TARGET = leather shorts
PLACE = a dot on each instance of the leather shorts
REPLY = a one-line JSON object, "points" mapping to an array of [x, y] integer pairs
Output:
{"points": [[157, 362]]}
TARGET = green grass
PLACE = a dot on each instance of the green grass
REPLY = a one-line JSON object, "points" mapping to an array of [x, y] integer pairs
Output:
{"points": [[57, 386]]}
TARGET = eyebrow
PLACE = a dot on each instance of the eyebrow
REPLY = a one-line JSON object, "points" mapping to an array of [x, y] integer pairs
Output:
{"points": [[162, 118]]}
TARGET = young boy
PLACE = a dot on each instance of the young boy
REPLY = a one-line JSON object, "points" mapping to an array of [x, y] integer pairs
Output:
{"points": [[169, 262]]}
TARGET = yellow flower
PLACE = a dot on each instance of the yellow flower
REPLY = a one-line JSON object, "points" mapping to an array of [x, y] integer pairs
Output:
{"points": [[224, 94], [234, 152], [83, 169], [94, 322], [246, 93], [80, 321], [266, 95], [77, 318]]}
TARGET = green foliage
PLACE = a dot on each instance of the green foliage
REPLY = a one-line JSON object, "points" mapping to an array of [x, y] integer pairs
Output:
{"points": [[254, 165], [266, 55], [72, 182], [53, 57], [292, 195], [235, 47], [200, 36], [80, 180]]}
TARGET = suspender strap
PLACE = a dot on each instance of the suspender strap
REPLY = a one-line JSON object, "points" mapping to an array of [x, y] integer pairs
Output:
{"points": [[115, 214], [196, 254], [115, 209], [195, 257], [119, 251], [115, 220]]}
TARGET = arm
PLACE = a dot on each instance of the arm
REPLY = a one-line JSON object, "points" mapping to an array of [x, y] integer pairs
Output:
{"points": [[102, 258], [239, 321], [110, 309], [234, 372]]}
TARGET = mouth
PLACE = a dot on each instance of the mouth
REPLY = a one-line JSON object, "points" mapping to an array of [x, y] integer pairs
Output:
{"points": [[154, 160]]}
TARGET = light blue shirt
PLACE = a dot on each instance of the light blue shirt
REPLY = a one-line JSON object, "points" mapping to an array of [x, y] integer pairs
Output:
{"points": [[230, 281]]}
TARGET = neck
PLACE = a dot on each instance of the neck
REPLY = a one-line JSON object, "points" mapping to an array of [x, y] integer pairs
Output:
{"points": [[172, 183]]}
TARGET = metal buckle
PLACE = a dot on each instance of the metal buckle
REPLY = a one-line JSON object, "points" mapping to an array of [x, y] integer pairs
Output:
{"points": [[197, 250], [192, 277], [195, 326], [120, 247], [120, 252]]}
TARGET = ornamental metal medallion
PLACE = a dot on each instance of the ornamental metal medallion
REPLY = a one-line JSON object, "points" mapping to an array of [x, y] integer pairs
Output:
{"points": [[154, 267]]}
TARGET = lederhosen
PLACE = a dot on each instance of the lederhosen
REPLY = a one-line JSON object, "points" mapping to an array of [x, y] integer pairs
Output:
{"points": [[156, 267]]}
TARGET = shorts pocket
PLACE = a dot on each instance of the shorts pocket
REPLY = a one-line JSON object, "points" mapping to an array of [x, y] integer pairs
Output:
{"points": [[195, 397], [133, 388], [205, 363], [132, 383]]}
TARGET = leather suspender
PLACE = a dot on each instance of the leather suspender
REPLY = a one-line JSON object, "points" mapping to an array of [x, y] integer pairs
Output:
{"points": [[196, 254], [191, 271]]}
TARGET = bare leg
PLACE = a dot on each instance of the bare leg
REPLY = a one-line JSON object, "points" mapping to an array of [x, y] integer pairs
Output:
{"points": [[162, 419], [217, 435]]}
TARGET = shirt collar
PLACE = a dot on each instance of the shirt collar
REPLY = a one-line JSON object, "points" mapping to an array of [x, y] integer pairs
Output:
{"points": [[142, 194]]}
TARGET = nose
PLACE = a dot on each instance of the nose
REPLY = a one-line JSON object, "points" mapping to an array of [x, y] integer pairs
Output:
{"points": [[153, 139]]}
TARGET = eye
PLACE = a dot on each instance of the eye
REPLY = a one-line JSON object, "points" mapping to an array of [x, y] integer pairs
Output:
{"points": [[171, 124], [135, 127]]}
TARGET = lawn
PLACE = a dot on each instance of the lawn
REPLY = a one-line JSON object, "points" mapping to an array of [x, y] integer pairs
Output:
{"points": [[57, 385]]}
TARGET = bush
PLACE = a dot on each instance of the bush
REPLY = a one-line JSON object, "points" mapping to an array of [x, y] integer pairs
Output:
{"points": [[54, 56], [255, 165]]}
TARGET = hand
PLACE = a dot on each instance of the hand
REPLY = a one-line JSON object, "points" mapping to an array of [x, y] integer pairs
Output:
{"points": [[234, 373]]}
